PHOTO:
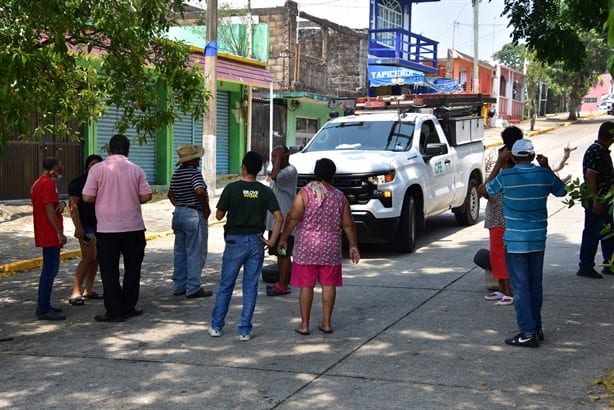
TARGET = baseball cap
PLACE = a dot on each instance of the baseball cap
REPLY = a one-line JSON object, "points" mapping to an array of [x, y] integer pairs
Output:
{"points": [[523, 148]]}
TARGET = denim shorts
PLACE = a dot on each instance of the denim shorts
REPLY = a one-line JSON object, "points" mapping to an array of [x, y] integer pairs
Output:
{"points": [[89, 230]]}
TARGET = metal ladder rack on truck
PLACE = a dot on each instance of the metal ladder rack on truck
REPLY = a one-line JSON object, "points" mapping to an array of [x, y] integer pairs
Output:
{"points": [[403, 159]]}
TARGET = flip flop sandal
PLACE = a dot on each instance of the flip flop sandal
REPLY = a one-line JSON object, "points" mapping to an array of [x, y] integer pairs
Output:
{"points": [[93, 295], [495, 296], [77, 301], [506, 301]]}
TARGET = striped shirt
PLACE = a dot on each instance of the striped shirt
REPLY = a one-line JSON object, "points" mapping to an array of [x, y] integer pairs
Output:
{"points": [[525, 189], [184, 183]]}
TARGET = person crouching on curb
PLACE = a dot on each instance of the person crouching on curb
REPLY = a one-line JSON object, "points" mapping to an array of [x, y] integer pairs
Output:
{"points": [[245, 204], [321, 212]]}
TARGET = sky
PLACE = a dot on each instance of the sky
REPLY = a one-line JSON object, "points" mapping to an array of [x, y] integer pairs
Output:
{"points": [[448, 21]]}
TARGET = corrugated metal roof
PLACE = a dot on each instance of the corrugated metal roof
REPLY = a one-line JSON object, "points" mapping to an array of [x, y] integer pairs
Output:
{"points": [[240, 73]]}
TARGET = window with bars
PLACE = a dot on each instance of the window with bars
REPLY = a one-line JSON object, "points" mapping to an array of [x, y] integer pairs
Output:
{"points": [[389, 16]]}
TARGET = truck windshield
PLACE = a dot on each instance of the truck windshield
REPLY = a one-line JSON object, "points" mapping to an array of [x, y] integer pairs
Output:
{"points": [[363, 135]]}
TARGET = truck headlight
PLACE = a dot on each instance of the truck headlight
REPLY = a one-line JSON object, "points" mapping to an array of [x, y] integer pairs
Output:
{"points": [[381, 179]]}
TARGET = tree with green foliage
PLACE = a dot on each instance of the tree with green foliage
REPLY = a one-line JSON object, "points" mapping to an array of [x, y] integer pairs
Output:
{"points": [[567, 35], [66, 61]]}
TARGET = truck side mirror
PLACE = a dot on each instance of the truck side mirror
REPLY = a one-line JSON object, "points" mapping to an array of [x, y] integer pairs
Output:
{"points": [[435, 149]]}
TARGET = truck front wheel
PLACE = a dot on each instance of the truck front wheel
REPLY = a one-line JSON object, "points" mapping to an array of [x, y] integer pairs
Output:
{"points": [[468, 213], [405, 238]]}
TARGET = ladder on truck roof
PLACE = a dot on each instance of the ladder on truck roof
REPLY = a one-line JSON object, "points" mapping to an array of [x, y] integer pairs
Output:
{"points": [[443, 106]]}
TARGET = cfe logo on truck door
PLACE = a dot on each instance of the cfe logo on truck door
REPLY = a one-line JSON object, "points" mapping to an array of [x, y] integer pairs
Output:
{"points": [[438, 168]]}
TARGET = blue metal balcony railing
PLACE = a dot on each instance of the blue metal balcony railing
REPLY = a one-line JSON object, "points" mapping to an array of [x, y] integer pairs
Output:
{"points": [[410, 49]]}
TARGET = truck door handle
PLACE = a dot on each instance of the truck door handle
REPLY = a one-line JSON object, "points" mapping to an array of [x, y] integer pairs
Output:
{"points": [[447, 162]]}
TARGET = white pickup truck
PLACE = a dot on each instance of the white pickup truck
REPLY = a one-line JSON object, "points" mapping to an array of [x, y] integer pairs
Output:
{"points": [[397, 169]]}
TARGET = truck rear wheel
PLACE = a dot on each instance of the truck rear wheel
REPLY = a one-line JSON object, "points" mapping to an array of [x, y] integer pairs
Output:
{"points": [[405, 238], [469, 212]]}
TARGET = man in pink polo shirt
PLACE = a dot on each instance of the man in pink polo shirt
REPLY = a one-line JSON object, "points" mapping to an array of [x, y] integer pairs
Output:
{"points": [[119, 187]]}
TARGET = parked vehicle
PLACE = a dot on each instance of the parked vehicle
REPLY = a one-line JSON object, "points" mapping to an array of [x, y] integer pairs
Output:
{"points": [[397, 167], [604, 105]]}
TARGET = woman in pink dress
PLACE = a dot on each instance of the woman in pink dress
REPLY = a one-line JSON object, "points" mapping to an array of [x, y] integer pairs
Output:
{"points": [[321, 212]]}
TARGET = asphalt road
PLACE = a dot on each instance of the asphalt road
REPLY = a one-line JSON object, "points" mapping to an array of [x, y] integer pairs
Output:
{"points": [[411, 331]]}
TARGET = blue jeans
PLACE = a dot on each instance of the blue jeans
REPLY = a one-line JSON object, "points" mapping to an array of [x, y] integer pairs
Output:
{"points": [[190, 251], [591, 236], [51, 265], [246, 251], [526, 274]]}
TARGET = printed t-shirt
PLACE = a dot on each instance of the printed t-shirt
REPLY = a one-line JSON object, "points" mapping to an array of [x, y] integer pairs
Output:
{"points": [[246, 204], [117, 184], [44, 192], [597, 158]]}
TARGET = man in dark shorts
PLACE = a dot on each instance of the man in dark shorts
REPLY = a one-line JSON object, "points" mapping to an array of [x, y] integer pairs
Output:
{"points": [[283, 183]]}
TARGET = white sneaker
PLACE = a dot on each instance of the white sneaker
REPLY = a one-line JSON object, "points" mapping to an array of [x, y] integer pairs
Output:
{"points": [[214, 333], [245, 338]]}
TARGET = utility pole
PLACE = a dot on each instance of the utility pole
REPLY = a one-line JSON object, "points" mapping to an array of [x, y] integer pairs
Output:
{"points": [[248, 115], [450, 66], [476, 69], [210, 117]]}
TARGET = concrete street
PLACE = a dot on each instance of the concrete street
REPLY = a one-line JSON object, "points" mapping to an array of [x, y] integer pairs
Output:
{"points": [[411, 330]]}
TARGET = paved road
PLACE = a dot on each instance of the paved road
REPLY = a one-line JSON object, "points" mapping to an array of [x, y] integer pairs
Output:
{"points": [[411, 331]]}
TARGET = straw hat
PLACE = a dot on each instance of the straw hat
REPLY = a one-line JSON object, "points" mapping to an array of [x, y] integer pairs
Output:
{"points": [[189, 152]]}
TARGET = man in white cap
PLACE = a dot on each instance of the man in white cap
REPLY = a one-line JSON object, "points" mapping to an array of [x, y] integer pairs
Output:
{"points": [[525, 189], [188, 193]]}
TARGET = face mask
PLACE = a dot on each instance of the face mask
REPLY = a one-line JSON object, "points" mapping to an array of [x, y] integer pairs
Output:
{"points": [[57, 177]]}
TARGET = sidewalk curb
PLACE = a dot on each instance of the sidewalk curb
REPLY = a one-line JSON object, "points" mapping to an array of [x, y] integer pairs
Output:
{"points": [[539, 131], [10, 269]]}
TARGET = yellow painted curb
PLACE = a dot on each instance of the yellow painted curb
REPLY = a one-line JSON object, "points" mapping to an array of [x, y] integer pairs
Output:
{"points": [[10, 269], [540, 131]]}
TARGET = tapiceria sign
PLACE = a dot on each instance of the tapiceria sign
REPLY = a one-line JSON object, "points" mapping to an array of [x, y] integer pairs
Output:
{"points": [[384, 75]]}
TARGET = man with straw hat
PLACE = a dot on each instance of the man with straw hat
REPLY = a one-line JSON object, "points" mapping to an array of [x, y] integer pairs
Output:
{"points": [[188, 193]]}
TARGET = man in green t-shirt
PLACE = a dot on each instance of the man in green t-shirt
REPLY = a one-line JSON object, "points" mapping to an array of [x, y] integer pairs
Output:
{"points": [[245, 204]]}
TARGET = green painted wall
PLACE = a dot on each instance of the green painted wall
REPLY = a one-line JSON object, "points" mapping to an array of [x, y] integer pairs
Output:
{"points": [[231, 39], [165, 139], [306, 109], [164, 142], [237, 127]]}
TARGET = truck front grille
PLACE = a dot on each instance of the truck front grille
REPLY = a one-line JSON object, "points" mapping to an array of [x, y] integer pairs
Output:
{"points": [[357, 189]]}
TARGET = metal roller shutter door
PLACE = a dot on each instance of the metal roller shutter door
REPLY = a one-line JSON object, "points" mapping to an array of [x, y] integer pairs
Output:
{"points": [[142, 155], [222, 141], [186, 131]]}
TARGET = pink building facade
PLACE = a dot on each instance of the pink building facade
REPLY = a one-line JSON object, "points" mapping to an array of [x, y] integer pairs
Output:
{"points": [[596, 94]]}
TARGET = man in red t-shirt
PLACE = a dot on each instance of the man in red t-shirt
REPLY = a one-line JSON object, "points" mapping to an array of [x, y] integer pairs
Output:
{"points": [[48, 234]]}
